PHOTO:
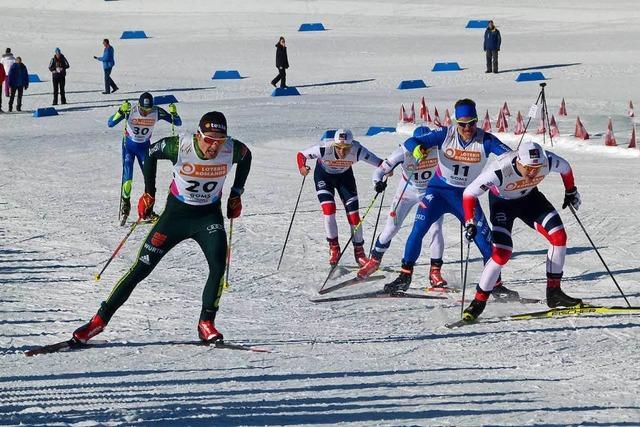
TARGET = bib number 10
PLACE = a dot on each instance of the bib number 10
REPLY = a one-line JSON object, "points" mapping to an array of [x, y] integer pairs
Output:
{"points": [[422, 176], [457, 169], [207, 187]]}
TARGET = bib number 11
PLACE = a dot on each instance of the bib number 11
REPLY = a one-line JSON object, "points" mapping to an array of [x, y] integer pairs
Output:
{"points": [[457, 169]]}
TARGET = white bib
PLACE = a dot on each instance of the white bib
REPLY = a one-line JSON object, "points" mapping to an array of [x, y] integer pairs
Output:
{"points": [[197, 181], [139, 127], [460, 165], [513, 185], [420, 171]]}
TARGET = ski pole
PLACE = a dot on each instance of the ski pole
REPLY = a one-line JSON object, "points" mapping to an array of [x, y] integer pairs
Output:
{"points": [[375, 229], [226, 274], [286, 239], [366, 212], [120, 245], [393, 214], [464, 280], [598, 253]]}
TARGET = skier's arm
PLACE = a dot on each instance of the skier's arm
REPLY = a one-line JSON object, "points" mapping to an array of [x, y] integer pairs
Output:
{"points": [[166, 148], [388, 165], [479, 186], [493, 145], [242, 158], [115, 119], [368, 156], [314, 152], [432, 139], [173, 119], [560, 165]]}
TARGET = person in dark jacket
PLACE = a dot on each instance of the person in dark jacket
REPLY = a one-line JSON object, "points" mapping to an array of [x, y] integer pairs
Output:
{"points": [[18, 82], [58, 67], [3, 76], [108, 62], [492, 42], [282, 63]]}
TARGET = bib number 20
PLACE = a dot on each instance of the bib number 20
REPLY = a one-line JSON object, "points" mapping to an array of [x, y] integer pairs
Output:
{"points": [[207, 187]]}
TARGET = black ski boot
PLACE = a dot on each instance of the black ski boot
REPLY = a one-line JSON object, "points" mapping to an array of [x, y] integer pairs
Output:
{"points": [[474, 310], [402, 282], [125, 209], [504, 294], [557, 298]]}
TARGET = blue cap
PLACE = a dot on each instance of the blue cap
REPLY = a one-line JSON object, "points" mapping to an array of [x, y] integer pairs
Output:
{"points": [[57, 50], [466, 110]]}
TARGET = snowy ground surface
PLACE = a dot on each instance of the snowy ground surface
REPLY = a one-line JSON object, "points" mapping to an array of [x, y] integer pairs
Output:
{"points": [[363, 362]]}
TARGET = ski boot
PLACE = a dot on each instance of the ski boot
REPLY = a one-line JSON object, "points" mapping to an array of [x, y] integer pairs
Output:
{"points": [[474, 310], [503, 294], [359, 255], [208, 333], [402, 282], [334, 251], [125, 209], [557, 298], [370, 267], [85, 332], [435, 277]]}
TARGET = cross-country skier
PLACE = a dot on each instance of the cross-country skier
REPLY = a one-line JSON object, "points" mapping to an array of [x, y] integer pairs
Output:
{"points": [[333, 173], [141, 120], [514, 194], [201, 163], [411, 189], [463, 150]]}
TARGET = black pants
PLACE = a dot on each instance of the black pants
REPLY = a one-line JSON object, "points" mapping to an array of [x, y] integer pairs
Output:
{"points": [[109, 84], [19, 100], [58, 86], [492, 61], [178, 222], [281, 77]]}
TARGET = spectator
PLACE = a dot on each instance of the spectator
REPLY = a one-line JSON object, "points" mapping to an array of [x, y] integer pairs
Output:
{"points": [[492, 42], [3, 76], [18, 81], [58, 67], [108, 61], [7, 61], [282, 63]]}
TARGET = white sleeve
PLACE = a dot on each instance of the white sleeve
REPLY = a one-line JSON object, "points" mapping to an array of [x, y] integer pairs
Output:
{"points": [[558, 164], [388, 164], [487, 179], [367, 156], [312, 152]]}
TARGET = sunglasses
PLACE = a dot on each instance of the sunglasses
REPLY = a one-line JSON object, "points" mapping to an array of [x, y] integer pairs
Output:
{"points": [[468, 124], [212, 139], [145, 110]]}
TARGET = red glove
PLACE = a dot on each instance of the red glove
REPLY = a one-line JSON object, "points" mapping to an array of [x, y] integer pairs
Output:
{"points": [[234, 206], [145, 205]]}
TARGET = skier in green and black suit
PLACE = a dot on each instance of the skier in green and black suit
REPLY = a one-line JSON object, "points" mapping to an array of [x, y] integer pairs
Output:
{"points": [[201, 163]]}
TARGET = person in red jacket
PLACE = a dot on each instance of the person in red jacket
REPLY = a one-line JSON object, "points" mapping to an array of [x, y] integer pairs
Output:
{"points": [[3, 76]]}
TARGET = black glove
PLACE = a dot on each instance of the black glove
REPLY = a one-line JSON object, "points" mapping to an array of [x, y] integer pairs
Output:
{"points": [[380, 186], [571, 197], [470, 231]]}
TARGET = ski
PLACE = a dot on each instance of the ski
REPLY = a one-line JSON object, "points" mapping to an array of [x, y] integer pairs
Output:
{"points": [[575, 311], [442, 290], [377, 294], [460, 323], [71, 344], [349, 282], [230, 346], [521, 300]]}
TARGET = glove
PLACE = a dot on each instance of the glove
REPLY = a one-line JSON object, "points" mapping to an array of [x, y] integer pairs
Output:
{"points": [[95, 57], [173, 110], [125, 108], [572, 197], [470, 230], [304, 171], [145, 205], [380, 186], [234, 206], [419, 153]]}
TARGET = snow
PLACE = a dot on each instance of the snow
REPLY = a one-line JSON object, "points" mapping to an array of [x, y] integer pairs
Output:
{"points": [[362, 362]]}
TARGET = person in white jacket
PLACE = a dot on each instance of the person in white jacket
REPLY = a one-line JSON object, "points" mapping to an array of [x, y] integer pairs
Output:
{"points": [[7, 61]]}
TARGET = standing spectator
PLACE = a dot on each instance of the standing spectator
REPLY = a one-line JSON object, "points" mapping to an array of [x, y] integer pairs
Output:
{"points": [[492, 42], [58, 67], [3, 76], [18, 81], [7, 61], [108, 61], [282, 63]]}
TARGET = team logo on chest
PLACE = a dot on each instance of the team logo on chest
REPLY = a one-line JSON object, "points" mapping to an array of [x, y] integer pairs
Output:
{"points": [[464, 156], [523, 183], [203, 171], [339, 163]]}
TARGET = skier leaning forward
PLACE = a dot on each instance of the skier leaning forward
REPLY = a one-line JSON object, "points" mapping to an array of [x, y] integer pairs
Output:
{"points": [[411, 189], [514, 194], [201, 163], [333, 172], [463, 150]]}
